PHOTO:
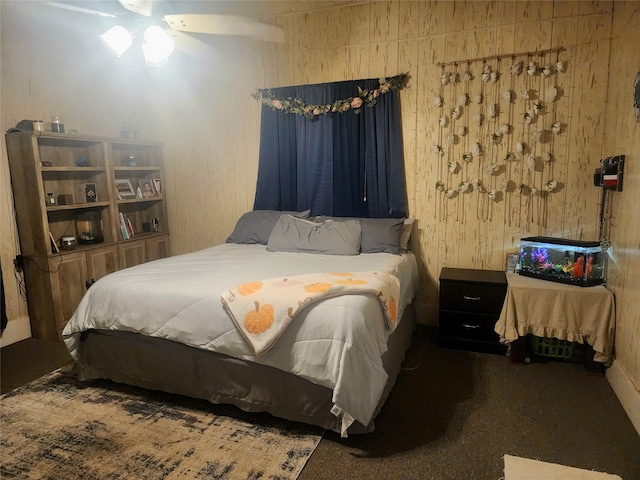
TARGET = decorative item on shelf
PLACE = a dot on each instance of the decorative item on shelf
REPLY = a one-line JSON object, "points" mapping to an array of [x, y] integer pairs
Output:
{"points": [[146, 188], [138, 193], [155, 224], [82, 161], [146, 227], [132, 161], [56, 125], [89, 228], [50, 200], [86, 193], [124, 189], [68, 242], [44, 163], [157, 185], [65, 199], [513, 260]]}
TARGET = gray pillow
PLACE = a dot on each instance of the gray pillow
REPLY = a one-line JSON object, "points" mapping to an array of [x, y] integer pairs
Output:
{"points": [[379, 235], [256, 226], [293, 234]]}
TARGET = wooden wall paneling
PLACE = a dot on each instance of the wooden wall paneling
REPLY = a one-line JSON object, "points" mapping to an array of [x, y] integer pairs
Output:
{"points": [[303, 69], [408, 19], [180, 236], [288, 24], [322, 66], [590, 86], [408, 62], [534, 11], [383, 26], [456, 47], [596, 7], [565, 32], [622, 135], [457, 13], [531, 37], [566, 8], [286, 69], [197, 191], [270, 69], [504, 12], [340, 32], [340, 64], [360, 18], [593, 28], [303, 32], [323, 31], [480, 43], [383, 59], [433, 16], [359, 66], [482, 13]]}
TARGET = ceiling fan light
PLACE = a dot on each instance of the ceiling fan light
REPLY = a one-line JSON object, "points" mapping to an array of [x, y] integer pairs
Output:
{"points": [[159, 40], [117, 40], [154, 57]]}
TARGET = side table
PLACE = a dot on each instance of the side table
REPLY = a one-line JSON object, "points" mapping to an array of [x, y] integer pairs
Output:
{"points": [[470, 305]]}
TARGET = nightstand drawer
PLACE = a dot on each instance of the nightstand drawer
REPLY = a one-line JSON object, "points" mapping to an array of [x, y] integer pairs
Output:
{"points": [[472, 297], [468, 326]]}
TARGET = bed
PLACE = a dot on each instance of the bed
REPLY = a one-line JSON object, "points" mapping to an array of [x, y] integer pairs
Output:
{"points": [[163, 325]]}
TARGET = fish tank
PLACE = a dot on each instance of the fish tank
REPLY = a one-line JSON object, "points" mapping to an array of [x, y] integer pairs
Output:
{"points": [[575, 262]]}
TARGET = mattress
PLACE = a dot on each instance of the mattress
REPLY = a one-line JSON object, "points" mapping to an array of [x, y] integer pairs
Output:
{"points": [[337, 344]]}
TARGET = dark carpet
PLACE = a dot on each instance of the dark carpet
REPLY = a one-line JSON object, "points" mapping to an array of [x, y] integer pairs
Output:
{"points": [[453, 415]]}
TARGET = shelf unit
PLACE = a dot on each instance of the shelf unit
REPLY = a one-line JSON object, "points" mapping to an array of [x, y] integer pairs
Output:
{"points": [[69, 166]]}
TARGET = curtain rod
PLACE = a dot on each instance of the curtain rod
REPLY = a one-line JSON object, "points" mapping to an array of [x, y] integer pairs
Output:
{"points": [[500, 57]]}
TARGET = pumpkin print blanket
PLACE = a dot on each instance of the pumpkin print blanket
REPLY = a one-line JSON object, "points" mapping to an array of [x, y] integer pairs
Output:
{"points": [[262, 309]]}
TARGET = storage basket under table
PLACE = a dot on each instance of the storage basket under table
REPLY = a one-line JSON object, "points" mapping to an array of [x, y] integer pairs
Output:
{"points": [[552, 347]]}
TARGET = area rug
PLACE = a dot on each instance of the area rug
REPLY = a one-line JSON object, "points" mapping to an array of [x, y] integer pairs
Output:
{"points": [[59, 428], [518, 468]]}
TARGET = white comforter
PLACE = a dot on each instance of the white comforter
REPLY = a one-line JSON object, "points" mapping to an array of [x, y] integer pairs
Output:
{"points": [[337, 343]]}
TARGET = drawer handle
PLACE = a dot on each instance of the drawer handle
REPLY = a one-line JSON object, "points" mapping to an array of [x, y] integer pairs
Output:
{"points": [[474, 299], [468, 325]]}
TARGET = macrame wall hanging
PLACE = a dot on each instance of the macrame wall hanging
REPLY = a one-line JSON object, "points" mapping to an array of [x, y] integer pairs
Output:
{"points": [[499, 122]]}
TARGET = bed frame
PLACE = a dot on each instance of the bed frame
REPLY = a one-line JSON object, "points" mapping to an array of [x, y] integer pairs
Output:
{"points": [[158, 364]]}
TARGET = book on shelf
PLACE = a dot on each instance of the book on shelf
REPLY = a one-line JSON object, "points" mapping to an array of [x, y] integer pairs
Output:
{"points": [[124, 228]]}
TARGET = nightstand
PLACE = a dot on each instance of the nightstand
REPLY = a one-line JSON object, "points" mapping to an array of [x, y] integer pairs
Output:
{"points": [[470, 305]]}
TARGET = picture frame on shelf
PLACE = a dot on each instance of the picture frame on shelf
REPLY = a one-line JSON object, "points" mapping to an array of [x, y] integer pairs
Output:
{"points": [[86, 193], [124, 189], [513, 260], [157, 185], [147, 188]]}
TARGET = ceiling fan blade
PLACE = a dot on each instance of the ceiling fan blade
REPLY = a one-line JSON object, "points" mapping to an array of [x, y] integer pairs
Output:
{"points": [[75, 8], [224, 25], [143, 7], [188, 44]]}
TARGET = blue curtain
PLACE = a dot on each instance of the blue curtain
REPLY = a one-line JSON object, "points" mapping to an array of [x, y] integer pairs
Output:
{"points": [[341, 164]]}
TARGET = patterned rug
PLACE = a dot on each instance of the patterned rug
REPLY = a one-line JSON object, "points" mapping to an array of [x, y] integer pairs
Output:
{"points": [[59, 428]]}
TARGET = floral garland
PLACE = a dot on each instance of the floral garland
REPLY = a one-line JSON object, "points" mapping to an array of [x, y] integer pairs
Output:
{"points": [[364, 98]]}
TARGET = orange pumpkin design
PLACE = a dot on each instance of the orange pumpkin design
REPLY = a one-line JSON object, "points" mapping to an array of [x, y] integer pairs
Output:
{"points": [[249, 288], [260, 320], [319, 287], [351, 281], [393, 309]]}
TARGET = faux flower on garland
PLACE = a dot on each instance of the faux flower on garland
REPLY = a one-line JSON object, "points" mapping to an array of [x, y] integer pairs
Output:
{"points": [[364, 98]]}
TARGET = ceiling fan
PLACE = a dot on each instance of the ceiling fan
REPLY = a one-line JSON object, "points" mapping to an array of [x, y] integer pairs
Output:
{"points": [[158, 41]]}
